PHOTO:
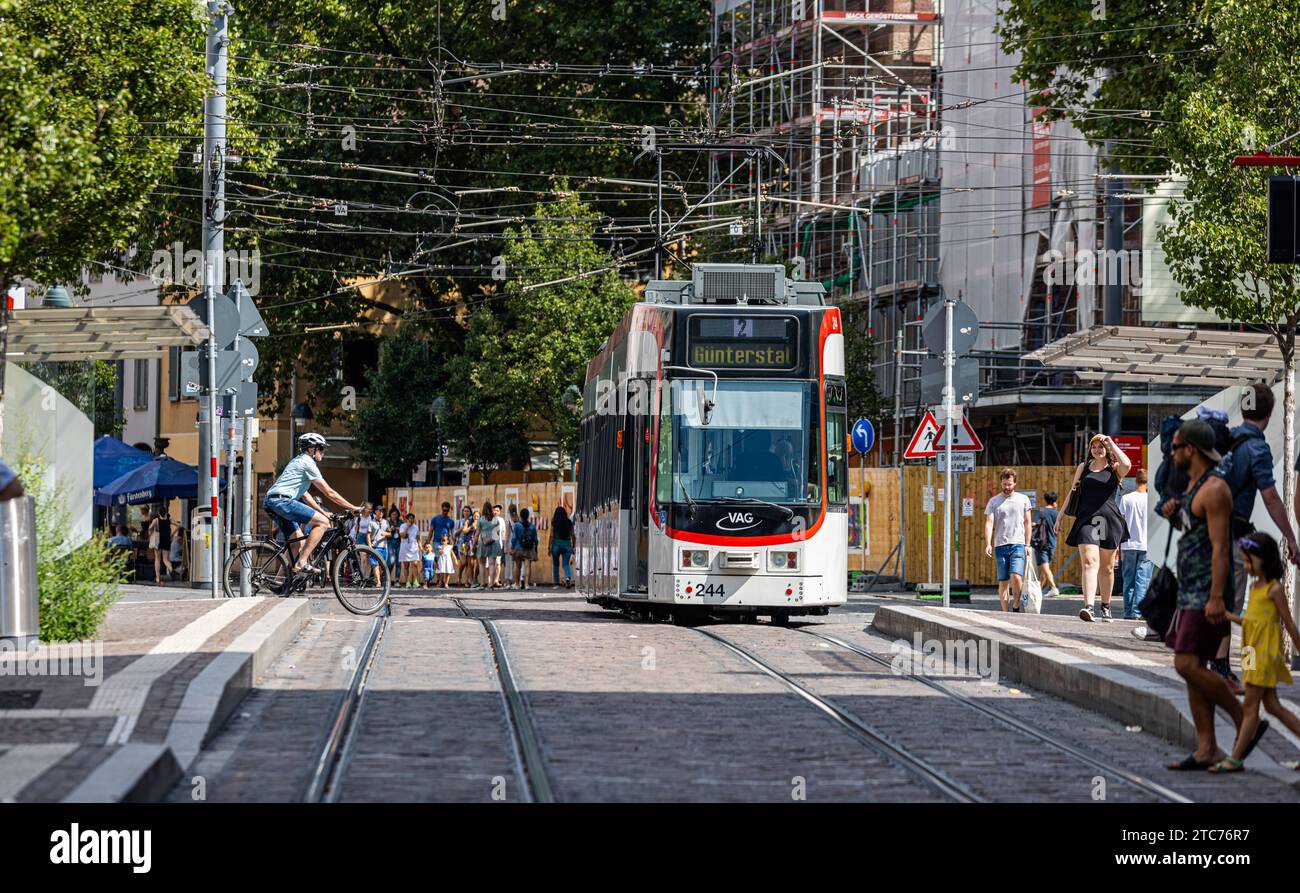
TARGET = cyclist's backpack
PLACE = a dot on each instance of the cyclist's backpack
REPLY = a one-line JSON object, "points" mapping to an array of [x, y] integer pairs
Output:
{"points": [[528, 537]]}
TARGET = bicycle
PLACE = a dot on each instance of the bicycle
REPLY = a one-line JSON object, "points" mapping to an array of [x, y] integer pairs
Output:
{"points": [[358, 574]]}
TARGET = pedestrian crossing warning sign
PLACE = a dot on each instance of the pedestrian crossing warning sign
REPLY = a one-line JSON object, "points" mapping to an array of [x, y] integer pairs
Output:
{"points": [[921, 445], [929, 441]]}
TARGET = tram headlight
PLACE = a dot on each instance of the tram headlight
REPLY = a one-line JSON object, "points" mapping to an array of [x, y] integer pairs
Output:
{"points": [[695, 558], [783, 561]]}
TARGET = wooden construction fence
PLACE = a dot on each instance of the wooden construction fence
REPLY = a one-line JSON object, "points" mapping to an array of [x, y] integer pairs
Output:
{"points": [[878, 521]]}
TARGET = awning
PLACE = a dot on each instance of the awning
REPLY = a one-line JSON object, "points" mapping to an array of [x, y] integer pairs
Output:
{"points": [[1148, 355], [100, 333]]}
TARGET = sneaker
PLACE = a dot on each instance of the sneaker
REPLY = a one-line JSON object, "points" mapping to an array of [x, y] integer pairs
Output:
{"points": [[1103, 613], [1052, 593], [1146, 634], [1085, 613]]}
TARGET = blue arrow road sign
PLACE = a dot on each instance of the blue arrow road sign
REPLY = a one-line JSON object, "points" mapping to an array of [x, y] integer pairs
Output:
{"points": [[864, 436]]}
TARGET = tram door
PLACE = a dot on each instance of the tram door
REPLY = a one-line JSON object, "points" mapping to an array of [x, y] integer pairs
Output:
{"points": [[638, 459]]}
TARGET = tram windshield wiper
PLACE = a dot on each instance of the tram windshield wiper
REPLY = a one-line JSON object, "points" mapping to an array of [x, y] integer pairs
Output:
{"points": [[690, 511], [789, 513]]}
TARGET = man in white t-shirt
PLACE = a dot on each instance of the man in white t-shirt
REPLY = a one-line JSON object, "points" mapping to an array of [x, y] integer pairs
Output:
{"points": [[1135, 567], [1006, 538]]}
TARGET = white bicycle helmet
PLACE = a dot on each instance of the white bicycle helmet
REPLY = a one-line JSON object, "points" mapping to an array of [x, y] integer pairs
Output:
{"points": [[311, 440]]}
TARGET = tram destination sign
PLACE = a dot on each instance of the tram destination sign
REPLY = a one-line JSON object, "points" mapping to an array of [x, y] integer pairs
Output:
{"points": [[743, 342]]}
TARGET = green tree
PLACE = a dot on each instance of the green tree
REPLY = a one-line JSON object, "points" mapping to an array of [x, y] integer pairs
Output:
{"points": [[1115, 67], [562, 304], [83, 87], [486, 421], [432, 125], [394, 429], [859, 373]]}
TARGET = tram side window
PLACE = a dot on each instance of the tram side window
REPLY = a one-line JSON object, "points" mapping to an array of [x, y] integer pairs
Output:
{"points": [[837, 474]]}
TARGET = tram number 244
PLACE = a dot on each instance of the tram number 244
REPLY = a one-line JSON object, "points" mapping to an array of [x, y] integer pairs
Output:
{"points": [[718, 589]]}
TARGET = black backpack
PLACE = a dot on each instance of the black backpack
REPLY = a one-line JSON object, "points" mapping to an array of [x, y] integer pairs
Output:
{"points": [[1042, 530], [528, 537], [1171, 481]]}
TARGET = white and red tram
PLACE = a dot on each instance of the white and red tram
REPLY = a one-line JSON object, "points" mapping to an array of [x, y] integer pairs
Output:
{"points": [[712, 477]]}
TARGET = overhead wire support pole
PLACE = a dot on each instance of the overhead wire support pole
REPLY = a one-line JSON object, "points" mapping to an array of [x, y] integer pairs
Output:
{"points": [[213, 222], [214, 487]]}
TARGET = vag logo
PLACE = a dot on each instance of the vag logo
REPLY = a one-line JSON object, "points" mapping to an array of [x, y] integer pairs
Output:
{"points": [[737, 521]]}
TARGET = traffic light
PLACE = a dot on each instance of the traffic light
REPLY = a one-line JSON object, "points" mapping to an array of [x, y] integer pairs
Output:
{"points": [[1282, 195]]}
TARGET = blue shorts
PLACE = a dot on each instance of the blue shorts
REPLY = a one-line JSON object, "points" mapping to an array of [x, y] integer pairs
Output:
{"points": [[1010, 559], [290, 514], [1045, 556]]}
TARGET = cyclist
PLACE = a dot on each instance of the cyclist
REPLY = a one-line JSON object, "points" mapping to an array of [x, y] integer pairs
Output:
{"points": [[292, 507]]}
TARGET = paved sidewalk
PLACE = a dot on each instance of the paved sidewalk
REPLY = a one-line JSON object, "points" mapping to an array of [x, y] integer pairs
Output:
{"points": [[1100, 666], [121, 717]]}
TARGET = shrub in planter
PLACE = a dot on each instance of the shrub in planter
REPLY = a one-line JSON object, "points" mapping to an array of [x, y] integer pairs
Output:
{"points": [[78, 584]]}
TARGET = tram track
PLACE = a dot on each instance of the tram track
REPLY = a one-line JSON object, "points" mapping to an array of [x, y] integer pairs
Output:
{"points": [[1133, 779], [340, 742], [858, 728], [529, 763]]}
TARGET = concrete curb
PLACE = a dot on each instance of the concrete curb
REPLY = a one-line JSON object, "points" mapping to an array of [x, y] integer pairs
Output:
{"points": [[1158, 707], [147, 772]]}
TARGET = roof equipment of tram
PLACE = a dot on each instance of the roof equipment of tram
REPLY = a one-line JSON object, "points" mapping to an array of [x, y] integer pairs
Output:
{"points": [[738, 285]]}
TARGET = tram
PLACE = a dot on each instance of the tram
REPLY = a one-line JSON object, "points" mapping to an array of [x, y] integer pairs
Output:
{"points": [[712, 476]]}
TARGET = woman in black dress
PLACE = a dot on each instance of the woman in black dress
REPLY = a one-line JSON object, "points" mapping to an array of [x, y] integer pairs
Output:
{"points": [[1099, 527]]}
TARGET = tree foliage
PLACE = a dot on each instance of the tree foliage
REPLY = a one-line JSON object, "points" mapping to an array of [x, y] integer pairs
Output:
{"points": [[394, 428], [82, 86], [565, 301], [859, 372], [1115, 67], [1216, 245], [404, 116], [486, 420]]}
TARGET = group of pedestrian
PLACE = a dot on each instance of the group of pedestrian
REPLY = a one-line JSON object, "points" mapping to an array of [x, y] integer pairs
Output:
{"points": [[1219, 548], [1218, 551], [483, 549]]}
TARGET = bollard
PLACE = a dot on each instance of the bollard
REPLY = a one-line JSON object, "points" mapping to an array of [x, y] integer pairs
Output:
{"points": [[19, 603]]}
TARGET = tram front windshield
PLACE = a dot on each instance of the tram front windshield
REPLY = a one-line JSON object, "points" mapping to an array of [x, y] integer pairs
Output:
{"points": [[760, 442]]}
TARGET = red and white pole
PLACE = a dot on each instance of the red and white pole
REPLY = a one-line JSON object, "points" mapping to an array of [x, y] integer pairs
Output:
{"points": [[214, 551]]}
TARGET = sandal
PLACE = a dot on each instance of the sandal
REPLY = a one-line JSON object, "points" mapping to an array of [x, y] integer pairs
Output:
{"points": [[1259, 733], [307, 569], [1229, 764], [1189, 764]]}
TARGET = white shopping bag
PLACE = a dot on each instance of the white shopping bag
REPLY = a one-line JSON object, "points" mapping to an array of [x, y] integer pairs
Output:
{"points": [[1032, 590]]}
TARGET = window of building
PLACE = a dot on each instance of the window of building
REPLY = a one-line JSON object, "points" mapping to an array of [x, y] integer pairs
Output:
{"points": [[141, 384]]}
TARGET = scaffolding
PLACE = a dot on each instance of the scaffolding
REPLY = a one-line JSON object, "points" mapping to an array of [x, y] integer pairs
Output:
{"points": [[846, 92]]}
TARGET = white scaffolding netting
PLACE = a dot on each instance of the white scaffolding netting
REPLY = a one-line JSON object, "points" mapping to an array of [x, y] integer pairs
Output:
{"points": [[991, 235]]}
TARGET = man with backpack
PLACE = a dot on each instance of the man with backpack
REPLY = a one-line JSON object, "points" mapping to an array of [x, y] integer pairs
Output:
{"points": [[1043, 542], [1247, 469], [523, 547]]}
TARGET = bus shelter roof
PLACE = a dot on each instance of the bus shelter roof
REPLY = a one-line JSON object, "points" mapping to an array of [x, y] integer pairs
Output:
{"points": [[42, 334], [1148, 355]]}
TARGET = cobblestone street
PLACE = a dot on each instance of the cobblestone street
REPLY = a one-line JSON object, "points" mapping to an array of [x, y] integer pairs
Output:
{"points": [[633, 711]]}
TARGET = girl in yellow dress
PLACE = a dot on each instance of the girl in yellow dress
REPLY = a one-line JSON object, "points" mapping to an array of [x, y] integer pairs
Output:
{"points": [[1262, 661]]}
